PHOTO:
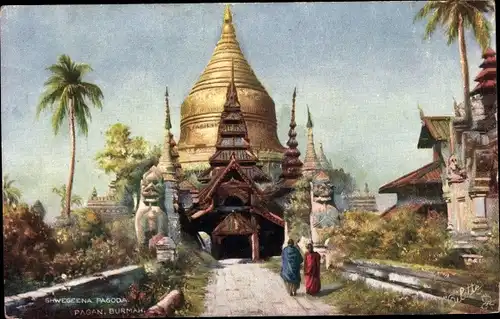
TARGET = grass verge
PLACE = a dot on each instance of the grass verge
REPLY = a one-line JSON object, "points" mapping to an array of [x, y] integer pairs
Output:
{"points": [[195, 284], [356, 298]]}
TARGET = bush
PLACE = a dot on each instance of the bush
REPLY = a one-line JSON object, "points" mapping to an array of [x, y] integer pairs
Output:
{"points": [[123, 231], [84, 225], [103, 254], [357, 298], [298, 210], [29, 243], [406, 237], [488, 271]]}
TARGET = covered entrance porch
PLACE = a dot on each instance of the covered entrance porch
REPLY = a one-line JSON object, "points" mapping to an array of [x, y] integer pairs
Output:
{"points": [[236, 236]]}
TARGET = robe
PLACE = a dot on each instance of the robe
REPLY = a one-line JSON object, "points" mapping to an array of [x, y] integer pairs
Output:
{"points": [[291, 259], [311, 272]]}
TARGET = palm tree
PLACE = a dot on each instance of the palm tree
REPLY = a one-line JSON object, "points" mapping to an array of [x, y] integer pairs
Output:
{"points": [[61, 192], [71, 96], [11, 195], [455, 16]]}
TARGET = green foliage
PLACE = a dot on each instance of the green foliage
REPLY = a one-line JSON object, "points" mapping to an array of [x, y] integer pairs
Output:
{"points": [[11, 195], [341, 181], [189, 274], [84, 225], [121, 150], [406, 237], [129, 158], [71, 96], [489, 268], [66, 88], [102, 254], [61, 192], [356, 298], [298, 209], [447, 14]]}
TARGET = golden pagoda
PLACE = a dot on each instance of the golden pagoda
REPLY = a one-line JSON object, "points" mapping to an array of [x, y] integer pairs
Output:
{"points": [[201, 110]]}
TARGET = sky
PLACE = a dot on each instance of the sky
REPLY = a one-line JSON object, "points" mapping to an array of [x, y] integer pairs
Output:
{"points": [[362, 68]]}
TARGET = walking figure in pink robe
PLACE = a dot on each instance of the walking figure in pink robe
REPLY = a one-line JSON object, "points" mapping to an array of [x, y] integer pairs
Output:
{"points": [[312, 271]]}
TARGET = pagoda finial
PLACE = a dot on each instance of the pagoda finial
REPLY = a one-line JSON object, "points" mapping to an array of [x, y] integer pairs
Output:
{"points": [[420, 111], [168, 123], [166, 163], [232, 93], [94, 193], [228, 16], [227, 26], [309, 118], [291, 166]]}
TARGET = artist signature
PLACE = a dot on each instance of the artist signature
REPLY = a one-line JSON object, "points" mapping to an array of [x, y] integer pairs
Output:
{"points": [[468, 292]]}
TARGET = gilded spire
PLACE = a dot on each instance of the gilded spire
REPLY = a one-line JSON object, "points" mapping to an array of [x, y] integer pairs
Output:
{"points": [[311, 162], [228, 16], [291, 167], [323, 160], [166, 163], [309, 119], [228, 48], [421, 112], [168, 123]]}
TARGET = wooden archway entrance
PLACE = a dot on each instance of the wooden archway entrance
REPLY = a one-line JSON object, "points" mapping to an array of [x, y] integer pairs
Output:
{"points": [[237, 236]]}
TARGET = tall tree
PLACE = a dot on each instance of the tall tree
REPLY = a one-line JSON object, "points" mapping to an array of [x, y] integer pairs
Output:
{"points": [[11, 195], [69, 97], [128, 158], [121, 150], [62, 193], [455, 17], [131, 176]]}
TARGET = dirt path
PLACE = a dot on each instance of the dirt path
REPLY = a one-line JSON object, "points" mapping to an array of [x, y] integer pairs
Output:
{"points": [[239, 288]]}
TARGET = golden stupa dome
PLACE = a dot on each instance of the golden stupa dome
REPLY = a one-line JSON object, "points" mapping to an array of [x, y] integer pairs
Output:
{"points": [[201, 110]]}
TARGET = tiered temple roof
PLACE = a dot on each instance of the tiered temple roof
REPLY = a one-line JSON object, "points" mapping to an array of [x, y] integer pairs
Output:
{"points": [[292, 165], [233, 141], [311, 162], [487, 78]]}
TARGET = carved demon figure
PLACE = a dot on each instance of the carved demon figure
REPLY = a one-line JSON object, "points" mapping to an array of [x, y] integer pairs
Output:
{"points": [[150, 220], [323, 210], [454, 173]]}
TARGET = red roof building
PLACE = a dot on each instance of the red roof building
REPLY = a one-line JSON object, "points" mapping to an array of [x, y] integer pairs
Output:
{"points": [[487, 78], [419, 191]]}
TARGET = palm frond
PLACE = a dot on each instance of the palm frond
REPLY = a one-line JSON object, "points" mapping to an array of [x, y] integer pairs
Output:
{"points": [[93, 93], [48, 98], [431, 26], [59, 115], [82, 69], [82, 113], [426, 10], [482, 30], [76, 200]]}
